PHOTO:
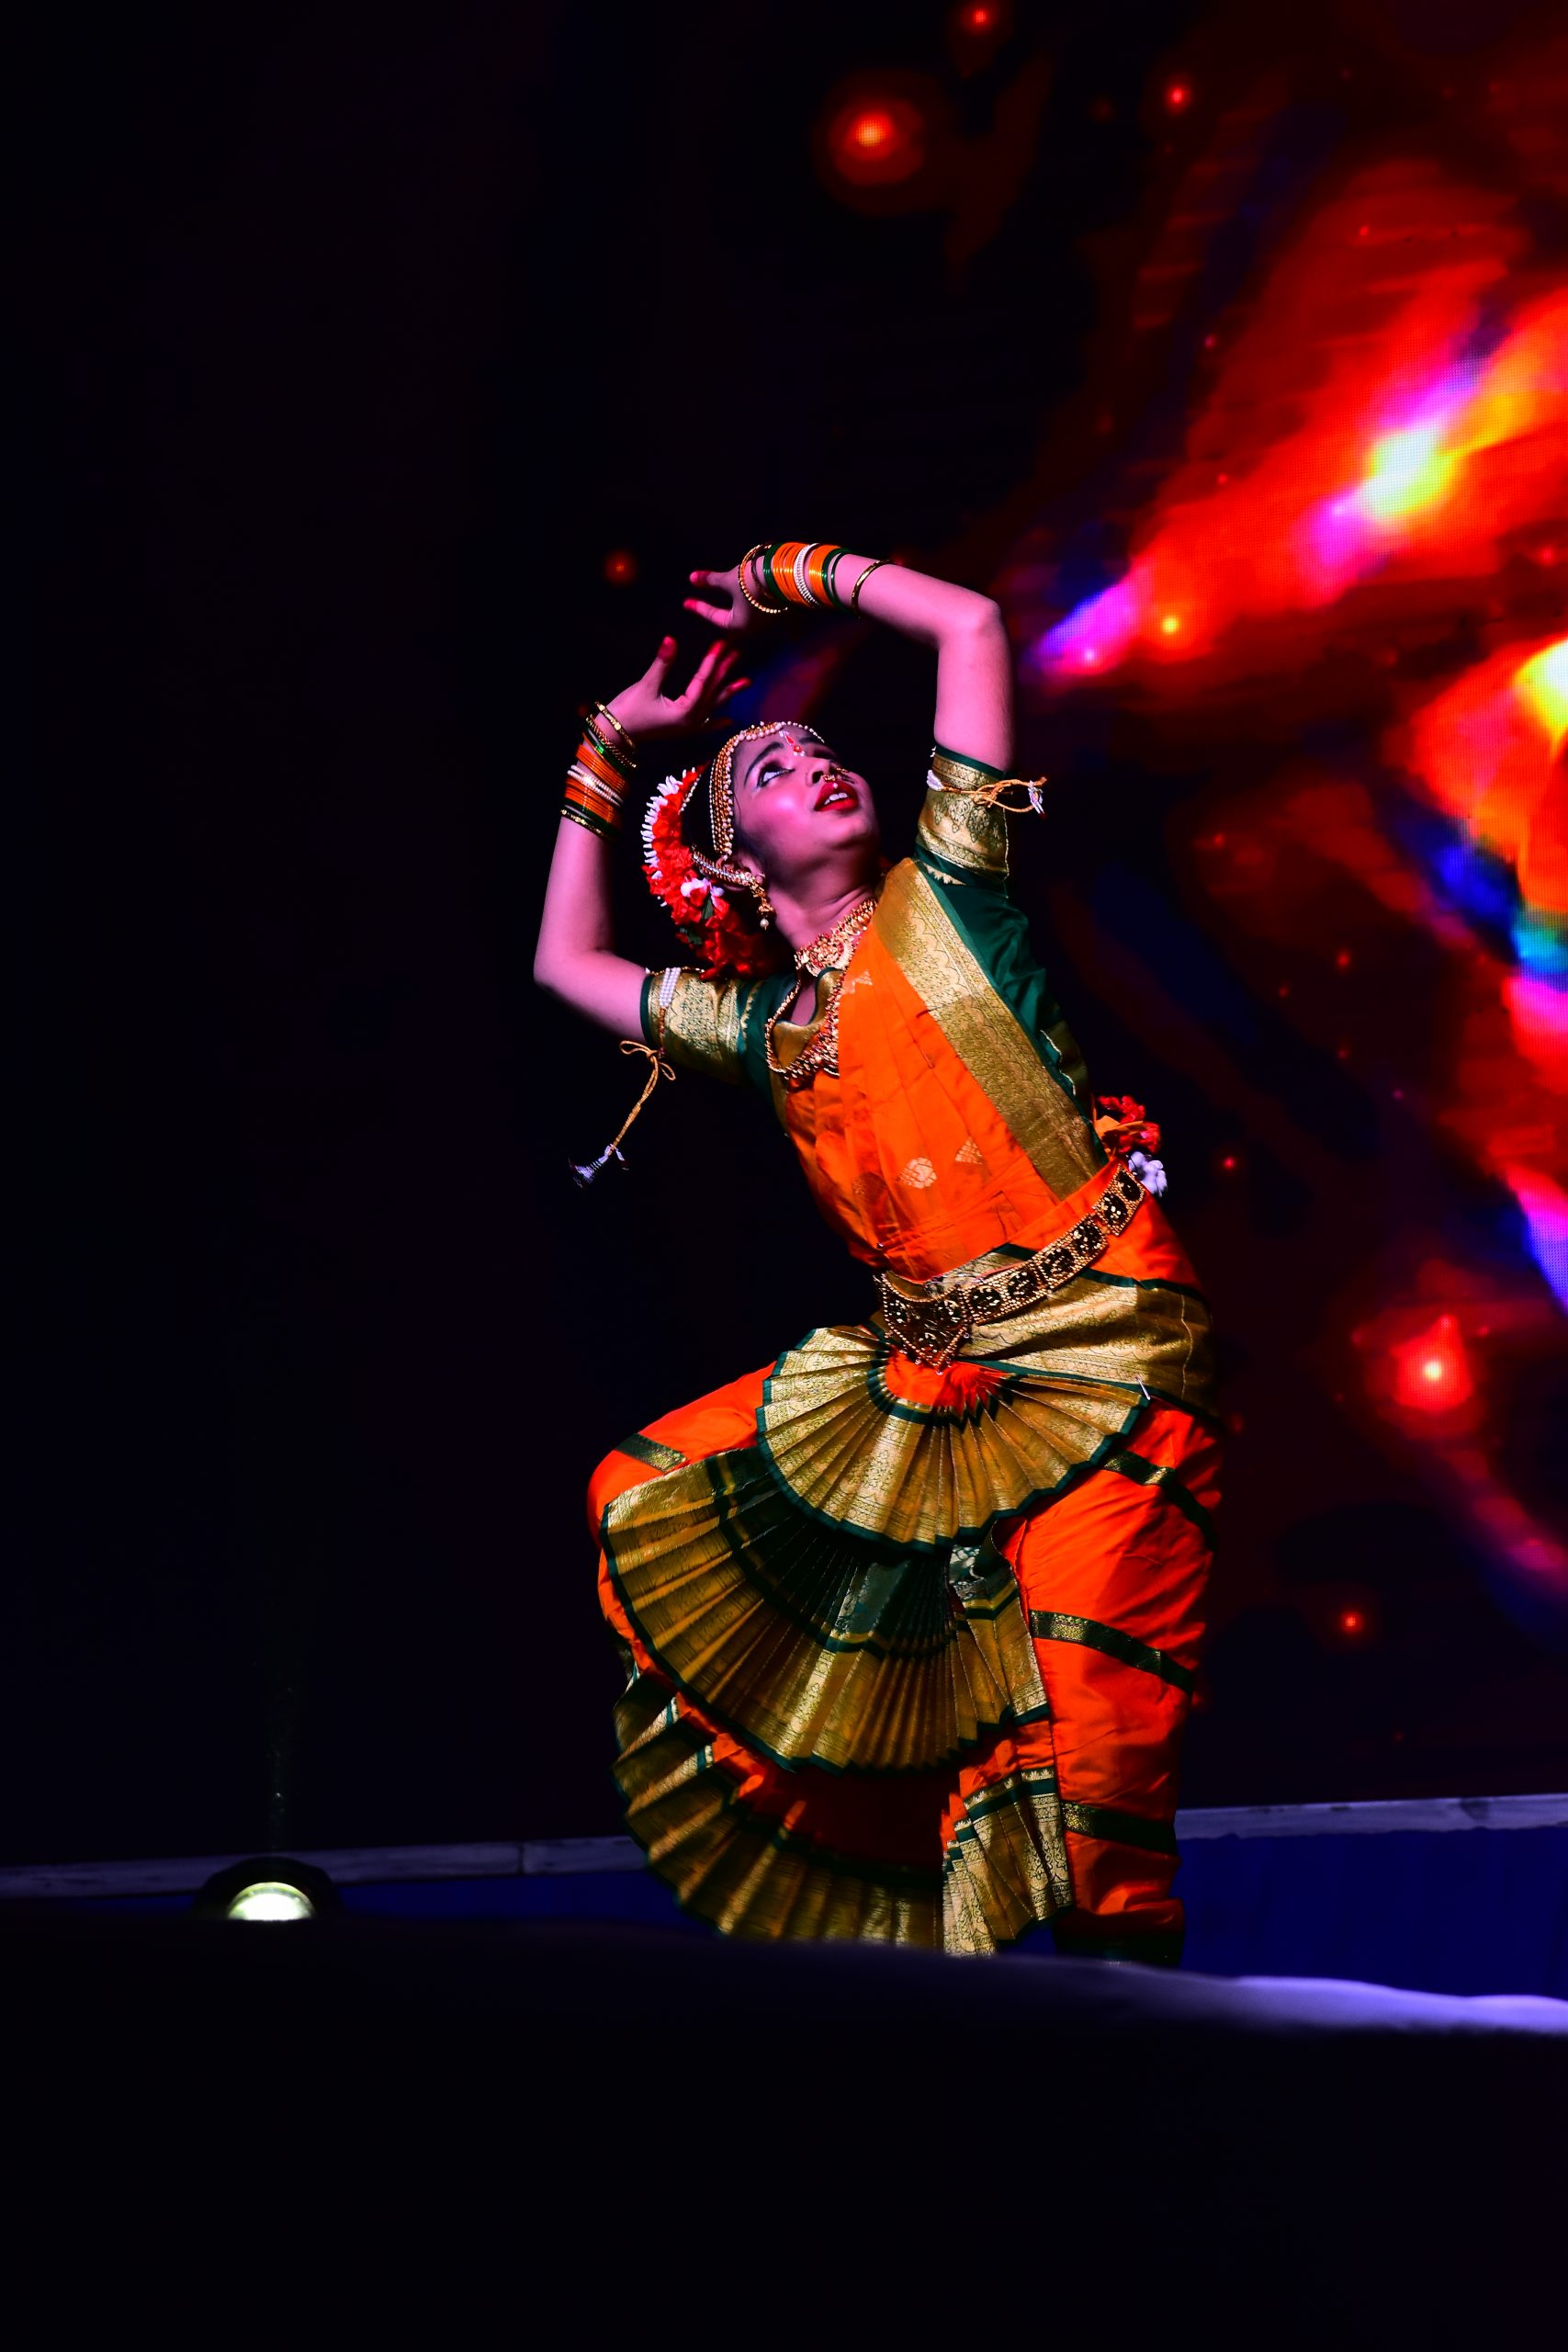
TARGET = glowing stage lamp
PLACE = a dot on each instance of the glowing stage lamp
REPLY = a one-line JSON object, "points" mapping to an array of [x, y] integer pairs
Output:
{"points": [[876, 140], [1178, 95], [620, 567], [1431, 1371], [268, 1888]]}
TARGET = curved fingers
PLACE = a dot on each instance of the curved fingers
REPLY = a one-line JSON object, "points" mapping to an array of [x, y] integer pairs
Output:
{"points": [[716, 616]]}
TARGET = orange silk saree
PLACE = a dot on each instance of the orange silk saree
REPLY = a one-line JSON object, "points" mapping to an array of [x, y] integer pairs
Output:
{"points": [[909, 1648]]}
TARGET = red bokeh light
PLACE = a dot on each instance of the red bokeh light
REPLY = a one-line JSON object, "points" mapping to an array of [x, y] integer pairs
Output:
{"points": [[1178, 95], [877, 142], [1431, 1371], [620, 567], [976, 29], [1352, 1622]]}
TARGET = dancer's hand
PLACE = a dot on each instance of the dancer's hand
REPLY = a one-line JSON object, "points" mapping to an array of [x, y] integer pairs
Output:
{"points": [[644, 710], [723, 605]]}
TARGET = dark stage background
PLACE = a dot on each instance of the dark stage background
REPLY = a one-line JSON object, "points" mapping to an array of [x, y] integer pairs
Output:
{"points": [[361, 343]]}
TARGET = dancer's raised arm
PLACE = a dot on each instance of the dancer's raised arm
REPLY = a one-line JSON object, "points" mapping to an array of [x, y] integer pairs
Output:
{"points": [[575, 958], [974, 664]]}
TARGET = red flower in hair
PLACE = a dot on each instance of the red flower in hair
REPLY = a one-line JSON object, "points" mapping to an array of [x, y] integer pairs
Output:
{"points": [[710, 924]]}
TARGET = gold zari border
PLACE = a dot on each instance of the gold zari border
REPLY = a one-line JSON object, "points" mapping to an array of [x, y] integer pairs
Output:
{"points": [[984, 1032], [1004, 1869], [963, 831], [702, 1024]]}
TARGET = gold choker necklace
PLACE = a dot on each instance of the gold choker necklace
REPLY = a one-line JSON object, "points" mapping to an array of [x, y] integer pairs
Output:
{"points": [[833, 948], [829, 952]]}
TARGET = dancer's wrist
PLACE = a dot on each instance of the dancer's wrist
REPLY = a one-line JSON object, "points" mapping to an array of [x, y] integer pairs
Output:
{"points": [[778, 576], [596, 781]]}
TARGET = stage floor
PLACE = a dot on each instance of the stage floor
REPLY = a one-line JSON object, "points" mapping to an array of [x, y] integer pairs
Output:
{"points": [[1458, 1895]]}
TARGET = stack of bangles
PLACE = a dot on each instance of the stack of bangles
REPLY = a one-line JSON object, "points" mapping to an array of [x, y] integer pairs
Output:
{"points": [[598, 776], [799, 572]]}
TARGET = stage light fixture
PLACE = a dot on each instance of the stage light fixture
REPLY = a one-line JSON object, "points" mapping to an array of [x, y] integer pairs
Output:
{"points": [[271, 1898], [269, 1888]]}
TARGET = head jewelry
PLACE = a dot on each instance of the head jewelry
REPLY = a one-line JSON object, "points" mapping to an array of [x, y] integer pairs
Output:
{"points": [[699, 889]]}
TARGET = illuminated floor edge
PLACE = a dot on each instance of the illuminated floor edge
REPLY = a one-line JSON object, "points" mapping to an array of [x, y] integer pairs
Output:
{"points": [[576, 1857], [1448, 1896]]}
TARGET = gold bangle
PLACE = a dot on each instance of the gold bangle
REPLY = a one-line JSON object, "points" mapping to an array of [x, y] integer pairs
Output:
{"points": [[854, 592], [773, 610], [609, 714]]}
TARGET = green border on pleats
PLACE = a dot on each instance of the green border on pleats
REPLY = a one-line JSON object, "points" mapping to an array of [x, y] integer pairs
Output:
{"points": [[1145, 1472], [1119, 1829], [650, 1450], [1067, 1625]]}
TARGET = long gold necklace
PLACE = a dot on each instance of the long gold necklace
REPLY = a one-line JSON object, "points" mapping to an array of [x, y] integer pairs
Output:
{"points": [[830, 951]]}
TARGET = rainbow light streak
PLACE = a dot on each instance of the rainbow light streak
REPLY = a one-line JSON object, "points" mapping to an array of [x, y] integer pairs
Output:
{"points": [[1490, 750], [1544, 1207], [1406, 471], [1377, 468], [1469, 452], [1537, 1016], [1542, 684], [1098, 633]]}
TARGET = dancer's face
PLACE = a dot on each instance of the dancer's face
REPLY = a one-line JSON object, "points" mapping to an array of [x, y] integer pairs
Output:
{"points": [[797, 811]]}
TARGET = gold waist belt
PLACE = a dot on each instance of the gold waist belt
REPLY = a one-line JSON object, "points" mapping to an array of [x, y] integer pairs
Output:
{"points": [[932, 1322]]}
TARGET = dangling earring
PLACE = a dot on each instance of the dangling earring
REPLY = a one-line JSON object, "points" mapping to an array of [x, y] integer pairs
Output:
{"points": [[759, 890]]}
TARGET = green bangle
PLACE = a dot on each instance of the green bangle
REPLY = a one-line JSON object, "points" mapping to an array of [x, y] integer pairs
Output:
{"points": [[576, 816], [625, 768]]}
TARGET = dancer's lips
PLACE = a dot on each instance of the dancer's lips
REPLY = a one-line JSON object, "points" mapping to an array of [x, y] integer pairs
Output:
{"points": [[837, 794]]}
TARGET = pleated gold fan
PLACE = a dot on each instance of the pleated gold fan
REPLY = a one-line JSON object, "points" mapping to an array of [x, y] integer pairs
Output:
{"points": [[814, 1643]]}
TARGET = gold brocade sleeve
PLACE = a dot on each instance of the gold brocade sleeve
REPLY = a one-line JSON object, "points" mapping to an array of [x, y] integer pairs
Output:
{"points": [[956, 829], [696, 1021]]}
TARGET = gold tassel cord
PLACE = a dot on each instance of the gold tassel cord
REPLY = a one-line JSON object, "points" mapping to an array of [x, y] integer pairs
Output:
{"points": [[1031, 787], [658, 1068]]}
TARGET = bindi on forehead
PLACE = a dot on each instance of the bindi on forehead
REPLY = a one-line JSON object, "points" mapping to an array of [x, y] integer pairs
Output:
{"points": [[783, 739]]}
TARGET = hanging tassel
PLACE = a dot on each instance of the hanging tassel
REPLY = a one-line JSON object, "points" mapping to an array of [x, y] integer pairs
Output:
{"points": [[584, 1175], [1032, 788]]}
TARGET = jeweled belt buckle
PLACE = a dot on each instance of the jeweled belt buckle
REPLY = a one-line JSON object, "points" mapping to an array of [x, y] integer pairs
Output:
{"points": [[931, 1329]]}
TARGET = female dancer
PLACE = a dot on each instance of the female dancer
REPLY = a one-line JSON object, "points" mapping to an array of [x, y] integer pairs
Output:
{"points": [[909, 1616]]}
